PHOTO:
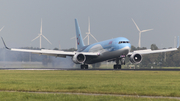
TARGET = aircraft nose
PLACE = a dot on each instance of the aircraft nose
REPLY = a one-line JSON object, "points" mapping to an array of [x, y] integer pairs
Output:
{"points": [[126, 48], [129, 47]]}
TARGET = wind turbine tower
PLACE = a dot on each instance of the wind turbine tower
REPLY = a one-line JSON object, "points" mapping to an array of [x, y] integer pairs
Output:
{"points": [[41, 35], [139, 44], [89, 33]]}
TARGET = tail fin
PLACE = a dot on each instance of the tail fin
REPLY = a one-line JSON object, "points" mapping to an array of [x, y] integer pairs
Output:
{"points": [[80, 42]]}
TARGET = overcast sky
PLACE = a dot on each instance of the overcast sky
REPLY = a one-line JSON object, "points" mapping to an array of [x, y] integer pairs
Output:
{"points": [[109, 19]]}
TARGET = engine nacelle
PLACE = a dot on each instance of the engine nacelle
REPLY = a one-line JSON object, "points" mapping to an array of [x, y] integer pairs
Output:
{"points": [[135, 58], [79, 58]]}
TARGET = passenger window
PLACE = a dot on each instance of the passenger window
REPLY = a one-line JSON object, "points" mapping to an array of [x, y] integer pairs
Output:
{"points": [[123, 42]]}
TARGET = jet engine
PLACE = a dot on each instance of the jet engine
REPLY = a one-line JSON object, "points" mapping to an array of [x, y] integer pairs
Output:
{"points": [[79, 58], [135, 58]]}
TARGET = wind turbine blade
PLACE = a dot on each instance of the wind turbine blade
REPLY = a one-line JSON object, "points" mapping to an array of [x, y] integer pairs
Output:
{"points": [[41, 27], [85, 37], [146, 30], [46, 39], [94, 37], [35, 38], [88, 24], [73, 37], [136, 25], [1, 28]]}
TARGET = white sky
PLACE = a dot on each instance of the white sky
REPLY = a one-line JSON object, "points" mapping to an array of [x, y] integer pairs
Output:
{"points": [[109, 19]]}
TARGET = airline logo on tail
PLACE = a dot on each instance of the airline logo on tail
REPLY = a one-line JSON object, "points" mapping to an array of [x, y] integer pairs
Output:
{"points": [[80, 42], [78, 39]]}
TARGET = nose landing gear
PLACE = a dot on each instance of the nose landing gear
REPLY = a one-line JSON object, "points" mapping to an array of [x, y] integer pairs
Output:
{"points": [[117, 65]]}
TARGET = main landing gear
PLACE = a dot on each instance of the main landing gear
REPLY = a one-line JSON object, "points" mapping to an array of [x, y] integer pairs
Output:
{"points": [[117, 65], [84, 66]]}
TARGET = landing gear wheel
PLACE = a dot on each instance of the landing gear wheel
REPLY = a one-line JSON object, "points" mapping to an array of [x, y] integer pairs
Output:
{"points": [[117, 66], [84, 66]]}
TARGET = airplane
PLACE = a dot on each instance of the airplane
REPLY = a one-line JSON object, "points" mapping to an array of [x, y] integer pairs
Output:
{"points": [[116, 49]]}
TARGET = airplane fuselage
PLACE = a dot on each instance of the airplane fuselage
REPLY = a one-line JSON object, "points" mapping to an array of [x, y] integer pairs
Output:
{"points": [[109, 49]]}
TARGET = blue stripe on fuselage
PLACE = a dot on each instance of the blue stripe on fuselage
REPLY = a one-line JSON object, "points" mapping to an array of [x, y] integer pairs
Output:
{"points": [[109, 45]]}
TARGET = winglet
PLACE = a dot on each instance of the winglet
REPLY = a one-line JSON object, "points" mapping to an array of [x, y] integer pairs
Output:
{"points": [[5, 44], [177, 42]]}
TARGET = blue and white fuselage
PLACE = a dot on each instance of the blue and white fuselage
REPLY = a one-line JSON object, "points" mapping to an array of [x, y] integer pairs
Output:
{"points": [[108, 49]]}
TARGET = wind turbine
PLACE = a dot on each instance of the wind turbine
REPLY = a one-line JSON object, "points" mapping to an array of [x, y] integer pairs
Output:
{"points": [[89, 33], [139, 44], [41, 35]]}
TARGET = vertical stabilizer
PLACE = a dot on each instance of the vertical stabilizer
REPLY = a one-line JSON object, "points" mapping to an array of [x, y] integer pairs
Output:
{"points": [[79, 39]]}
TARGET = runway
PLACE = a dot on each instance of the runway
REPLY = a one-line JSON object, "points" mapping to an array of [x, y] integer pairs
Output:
{"points": [[90, 69]]}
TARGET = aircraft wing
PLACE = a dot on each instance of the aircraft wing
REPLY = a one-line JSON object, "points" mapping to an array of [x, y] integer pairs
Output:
{"points": [[149, 51], [55, 53]]}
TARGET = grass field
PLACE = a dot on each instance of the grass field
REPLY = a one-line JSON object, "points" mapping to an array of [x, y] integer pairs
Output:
{"points": [[151, 83], [19, 96]]}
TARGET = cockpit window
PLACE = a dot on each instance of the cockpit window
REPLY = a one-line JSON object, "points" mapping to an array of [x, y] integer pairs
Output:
{"points": [[123, 42]]}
